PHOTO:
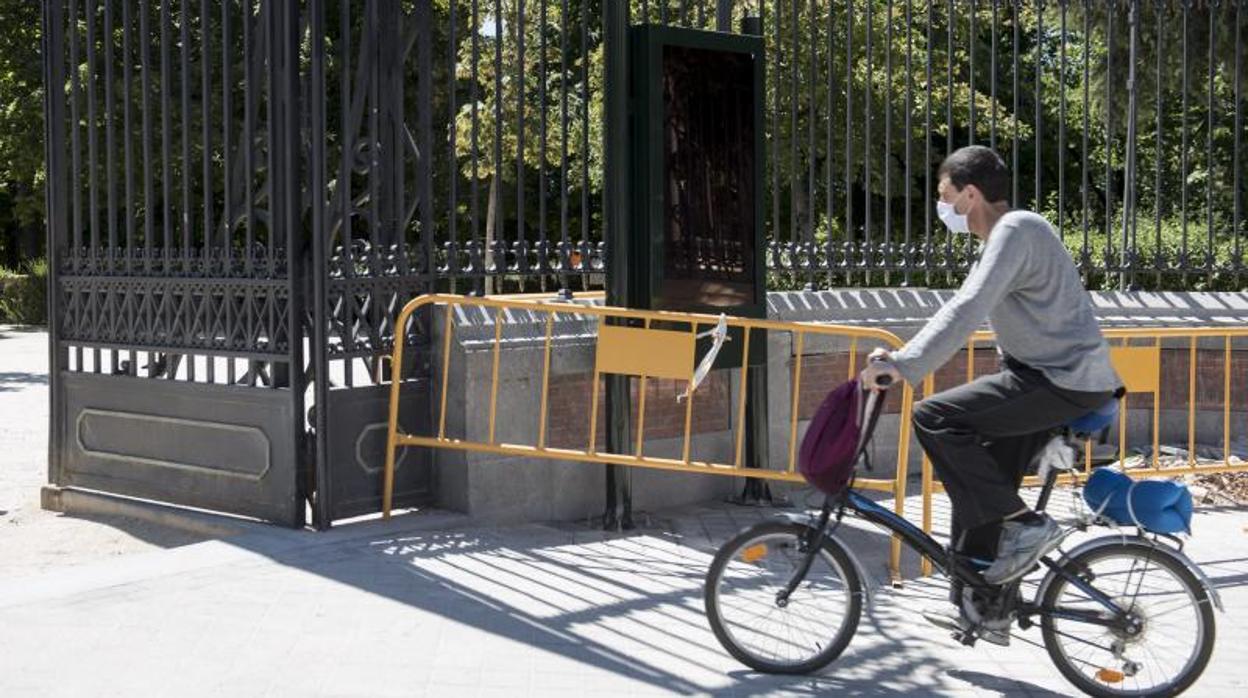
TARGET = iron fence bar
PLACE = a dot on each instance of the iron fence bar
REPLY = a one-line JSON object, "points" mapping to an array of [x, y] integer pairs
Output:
{"points": [[1186, 6], [249, 158], [908, 255], [794, 59], [205, 128], [521, 69], [1085, 188], [774, 150], [862, 255], [886, 257], [290, 142], [317, 178], [227, 141], [93, 206], [474, 99], [811, 117], [829, 242], [1037, 81], [110, 145], [585, 210], [57, 213], [149, 214], [847, 243], [1158, 255], [927, 151], [397, 212], [184, 80], [970, 73], [370, 42], [1128, 189], [992, 69], [1210, 263], [543, 257], [272, 175], [452, 139], [950, 256], [1016, 23], [565, 245], [127, 86], [1061, 127], [93, 254], [1236, 226]]}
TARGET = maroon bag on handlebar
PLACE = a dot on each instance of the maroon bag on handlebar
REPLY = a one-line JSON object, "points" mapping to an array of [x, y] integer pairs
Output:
{"points": [[837, 435]]}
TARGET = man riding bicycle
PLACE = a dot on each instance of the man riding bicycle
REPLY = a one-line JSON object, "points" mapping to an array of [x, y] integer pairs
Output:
{"points": [[1055, 366]]}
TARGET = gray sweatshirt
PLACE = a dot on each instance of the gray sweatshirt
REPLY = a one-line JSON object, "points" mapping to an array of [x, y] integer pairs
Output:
{"points": [[1026, 285]]}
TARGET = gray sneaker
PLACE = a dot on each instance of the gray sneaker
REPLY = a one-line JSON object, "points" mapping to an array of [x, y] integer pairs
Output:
{"points": [[1022, 545], [953, 620]]}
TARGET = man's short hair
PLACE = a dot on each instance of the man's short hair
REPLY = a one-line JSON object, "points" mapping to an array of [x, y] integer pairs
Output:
{"points": [[981, 166]]}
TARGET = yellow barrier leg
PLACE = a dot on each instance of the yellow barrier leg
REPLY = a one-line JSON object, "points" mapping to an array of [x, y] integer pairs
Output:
{"points": [[392, 430], [899, 481]]}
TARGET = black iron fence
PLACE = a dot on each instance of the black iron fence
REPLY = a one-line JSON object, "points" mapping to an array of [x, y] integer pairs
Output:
{"points": [[1122, 121], [243, 193]]}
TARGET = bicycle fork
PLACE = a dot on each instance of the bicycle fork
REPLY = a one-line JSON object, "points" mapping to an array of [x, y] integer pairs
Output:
{"points": [[813, 541]]}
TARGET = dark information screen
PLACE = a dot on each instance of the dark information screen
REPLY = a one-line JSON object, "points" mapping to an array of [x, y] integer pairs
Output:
{"points": [[709, 178]]}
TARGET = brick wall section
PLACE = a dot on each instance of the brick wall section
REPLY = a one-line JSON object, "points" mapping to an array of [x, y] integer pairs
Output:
{"points": [[568, 418], [569, 409], [821, 373], [1210, 377]]}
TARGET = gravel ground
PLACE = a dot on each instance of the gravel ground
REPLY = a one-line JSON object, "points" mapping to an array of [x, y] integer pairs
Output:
{"points": [[33, 540]]}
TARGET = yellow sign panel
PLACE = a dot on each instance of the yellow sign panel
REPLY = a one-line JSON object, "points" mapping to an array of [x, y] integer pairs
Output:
{"points": [[637, 351], [1139, 367]]}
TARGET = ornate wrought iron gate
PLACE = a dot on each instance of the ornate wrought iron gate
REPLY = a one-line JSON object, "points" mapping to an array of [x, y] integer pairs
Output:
{"points": [[223, 254]]}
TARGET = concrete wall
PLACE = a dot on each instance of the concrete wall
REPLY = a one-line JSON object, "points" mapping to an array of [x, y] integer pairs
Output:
{"points": [[506, 489]]}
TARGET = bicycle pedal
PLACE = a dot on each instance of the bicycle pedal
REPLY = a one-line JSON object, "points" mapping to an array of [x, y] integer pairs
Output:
{"points": [[967, 638]]}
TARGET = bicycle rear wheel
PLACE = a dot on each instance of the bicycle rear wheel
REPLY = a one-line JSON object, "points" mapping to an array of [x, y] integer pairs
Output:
{"points": [[1175, 632], [805, 634]]}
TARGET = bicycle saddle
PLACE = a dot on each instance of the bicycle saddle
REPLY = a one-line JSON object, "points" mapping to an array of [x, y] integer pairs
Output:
{"points": [[1095, 420]]}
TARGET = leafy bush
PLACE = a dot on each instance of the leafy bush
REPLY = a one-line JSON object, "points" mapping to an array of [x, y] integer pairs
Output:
{"points": [[24, 294]]}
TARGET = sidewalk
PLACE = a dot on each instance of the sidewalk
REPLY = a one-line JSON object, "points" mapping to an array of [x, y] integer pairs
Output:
{"points": [[429, 604], [424, 605]]}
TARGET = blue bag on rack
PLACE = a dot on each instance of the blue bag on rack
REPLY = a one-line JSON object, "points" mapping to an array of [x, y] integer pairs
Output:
{"points": [[1159, 506]]}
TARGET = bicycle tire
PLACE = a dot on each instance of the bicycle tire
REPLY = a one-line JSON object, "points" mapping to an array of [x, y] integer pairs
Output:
{"points": [[832, 552], [1159, 556]]}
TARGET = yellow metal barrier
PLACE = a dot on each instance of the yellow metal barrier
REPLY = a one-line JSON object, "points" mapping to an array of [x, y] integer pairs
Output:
{"points": [[629, 345], [1137, 356]]}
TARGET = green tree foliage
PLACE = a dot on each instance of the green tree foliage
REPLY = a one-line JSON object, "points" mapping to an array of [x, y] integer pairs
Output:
{"points": [[863, 99], [21, 127]]}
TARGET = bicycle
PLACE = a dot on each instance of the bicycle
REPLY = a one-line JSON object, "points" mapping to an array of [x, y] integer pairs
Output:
{"points": [[1122, 591]]}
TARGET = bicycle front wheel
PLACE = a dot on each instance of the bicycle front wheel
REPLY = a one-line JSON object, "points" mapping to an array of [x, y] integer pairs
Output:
{"points": [[1167, 642], [800, 636]]}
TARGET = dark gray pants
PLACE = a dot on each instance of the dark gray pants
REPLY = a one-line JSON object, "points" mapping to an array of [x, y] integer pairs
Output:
{"points": [[982, 436]]}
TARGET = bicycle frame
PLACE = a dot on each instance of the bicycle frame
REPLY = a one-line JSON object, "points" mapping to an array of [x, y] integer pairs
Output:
{"points": [[955, 567]]}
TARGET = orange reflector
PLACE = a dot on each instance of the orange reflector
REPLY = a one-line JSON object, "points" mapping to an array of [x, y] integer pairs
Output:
{"points": [[754, 553], [1110, 675]]}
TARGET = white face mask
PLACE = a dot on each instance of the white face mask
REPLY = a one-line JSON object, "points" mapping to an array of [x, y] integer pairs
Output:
{"points": [[956, 222]]}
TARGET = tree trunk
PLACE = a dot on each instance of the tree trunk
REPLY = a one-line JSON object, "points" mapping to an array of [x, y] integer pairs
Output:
{"points": [[490, 212]]}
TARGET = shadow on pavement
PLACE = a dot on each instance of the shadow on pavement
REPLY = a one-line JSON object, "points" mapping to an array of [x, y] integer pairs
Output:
{"points": [[989, 682], [159, 535], [631, 604], [11, 380]]}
